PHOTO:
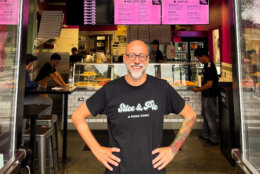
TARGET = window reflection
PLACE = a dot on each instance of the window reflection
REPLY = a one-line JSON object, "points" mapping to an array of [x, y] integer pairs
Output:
{"points": [[7, 89]]}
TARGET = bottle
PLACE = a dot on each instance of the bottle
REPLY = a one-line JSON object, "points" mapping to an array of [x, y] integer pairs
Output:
{"points": [[70, 79]]}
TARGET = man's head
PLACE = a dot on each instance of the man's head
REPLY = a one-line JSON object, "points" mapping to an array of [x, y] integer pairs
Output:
{"points": [[29, 61], [202, 55], [92, 51], [136, 58], [155, 45], [55, 59], [84, 54], [74, 50]]}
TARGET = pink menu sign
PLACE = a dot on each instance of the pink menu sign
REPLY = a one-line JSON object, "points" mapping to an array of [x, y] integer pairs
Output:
{"points": [[9, 12], [137, 12], [185, 12]]}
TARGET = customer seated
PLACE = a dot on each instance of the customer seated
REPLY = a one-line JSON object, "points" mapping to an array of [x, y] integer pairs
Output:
{"points": [[29, 85], [48, 70]]}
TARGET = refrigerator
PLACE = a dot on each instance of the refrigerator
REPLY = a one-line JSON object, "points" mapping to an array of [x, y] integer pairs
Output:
{"points": [[246, 84], [12, 75], [186, 42]]}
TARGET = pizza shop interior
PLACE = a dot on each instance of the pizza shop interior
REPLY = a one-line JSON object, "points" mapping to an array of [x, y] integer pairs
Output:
{"points": [[57, 54]]}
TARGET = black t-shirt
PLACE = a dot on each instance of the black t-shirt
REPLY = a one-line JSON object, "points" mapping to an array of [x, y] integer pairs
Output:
{"points": [[209, 73], [135, 120], [158, 56], [45, 71], [75, 58]]}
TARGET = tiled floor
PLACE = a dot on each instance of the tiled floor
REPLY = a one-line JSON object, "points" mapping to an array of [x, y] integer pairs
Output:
{"points": [[193, 159]]}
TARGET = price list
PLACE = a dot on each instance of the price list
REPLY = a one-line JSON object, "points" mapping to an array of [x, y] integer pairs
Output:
{"points": [[9, 10], [137, 12], [89, 12]]}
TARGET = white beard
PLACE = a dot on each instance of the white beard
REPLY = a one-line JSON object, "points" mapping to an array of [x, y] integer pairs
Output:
{"points": [[136, 74]]}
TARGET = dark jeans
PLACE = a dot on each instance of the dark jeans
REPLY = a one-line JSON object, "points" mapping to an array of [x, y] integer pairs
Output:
{"points": [[209, 116]]}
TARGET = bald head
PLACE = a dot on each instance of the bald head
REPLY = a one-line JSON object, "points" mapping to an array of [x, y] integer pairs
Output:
{"points": [[137, 47]]}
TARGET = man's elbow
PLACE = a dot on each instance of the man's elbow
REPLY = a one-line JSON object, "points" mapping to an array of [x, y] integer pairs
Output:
{"points": [[76, 117], [193, 117]]}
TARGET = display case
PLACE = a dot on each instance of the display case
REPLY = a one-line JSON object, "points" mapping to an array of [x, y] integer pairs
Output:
{"points": [[94, 76]]}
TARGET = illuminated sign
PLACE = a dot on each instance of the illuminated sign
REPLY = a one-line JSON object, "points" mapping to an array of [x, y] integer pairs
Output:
{"points": [[185, 12], [137, 12]]}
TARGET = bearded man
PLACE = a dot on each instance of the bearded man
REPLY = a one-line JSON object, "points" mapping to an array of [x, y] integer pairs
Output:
{"points": [[135, 105]]}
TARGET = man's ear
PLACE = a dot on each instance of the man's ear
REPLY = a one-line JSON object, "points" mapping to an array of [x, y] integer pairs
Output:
{"points": [[124, 58]]}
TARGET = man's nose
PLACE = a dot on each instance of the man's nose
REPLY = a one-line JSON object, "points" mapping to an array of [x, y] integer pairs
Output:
{"points": [[137, 60]]}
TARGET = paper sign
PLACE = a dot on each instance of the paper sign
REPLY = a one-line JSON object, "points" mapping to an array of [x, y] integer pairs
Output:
{"points": [[9, 12], [256, 12], [121, 30], [137, 12], [185, 12]]}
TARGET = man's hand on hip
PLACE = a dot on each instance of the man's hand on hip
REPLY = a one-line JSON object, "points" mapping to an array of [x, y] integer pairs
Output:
{"points": [[164, 157], [106, 157]]}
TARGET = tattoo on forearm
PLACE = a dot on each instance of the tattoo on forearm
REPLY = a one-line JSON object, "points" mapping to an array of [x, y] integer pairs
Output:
{"points": [[182, 134]]}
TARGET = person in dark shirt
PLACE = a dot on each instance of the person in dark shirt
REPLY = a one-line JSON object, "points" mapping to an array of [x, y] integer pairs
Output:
{"points": [[75, 57], [48, 70], [157, 54], [209, 92], [29, 85], [135, 105]]}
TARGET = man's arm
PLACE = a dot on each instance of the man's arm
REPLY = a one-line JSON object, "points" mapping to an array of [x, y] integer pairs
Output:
{"points": [[55, 78], [103, 154], [60, 78], [166, 154], [206, 86]]}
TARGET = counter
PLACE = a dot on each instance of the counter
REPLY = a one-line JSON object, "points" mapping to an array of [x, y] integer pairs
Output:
{"points": [[91, 77]]}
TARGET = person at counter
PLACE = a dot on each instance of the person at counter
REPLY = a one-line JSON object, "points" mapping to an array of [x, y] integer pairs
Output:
{"points": [[135, 105], [48, 70], [75, 57], [209, 91], [90, 57], [156, 57], [29, 85]]}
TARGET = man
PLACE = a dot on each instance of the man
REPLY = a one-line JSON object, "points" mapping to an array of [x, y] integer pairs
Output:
{"points": [[75, 57], [135, 105], [157, 54], [29, 85], [48, 70], [209, 91]]}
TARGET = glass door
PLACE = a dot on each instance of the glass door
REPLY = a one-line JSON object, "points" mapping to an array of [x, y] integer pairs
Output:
{"points": [[247, 27], [10, 27]]}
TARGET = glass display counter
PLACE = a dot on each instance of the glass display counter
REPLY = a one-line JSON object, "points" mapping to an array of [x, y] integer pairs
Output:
{"points": [[94, 76]]}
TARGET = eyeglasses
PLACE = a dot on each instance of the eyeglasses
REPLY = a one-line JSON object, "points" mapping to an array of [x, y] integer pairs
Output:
{"points": [[132, 56]]}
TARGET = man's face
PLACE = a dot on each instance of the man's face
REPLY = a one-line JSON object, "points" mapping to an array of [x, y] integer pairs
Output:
{"points": [[74, 52], [29, 65], [55, 62], [155, 47], [201, 59], [136, 67]]}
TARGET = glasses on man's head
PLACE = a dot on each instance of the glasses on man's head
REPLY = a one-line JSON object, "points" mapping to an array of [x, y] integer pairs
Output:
{"points": [[132, 56]]}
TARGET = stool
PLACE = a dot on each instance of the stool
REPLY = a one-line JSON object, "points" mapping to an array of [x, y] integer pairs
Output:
{"points": [[50, 121], [43, 135]]}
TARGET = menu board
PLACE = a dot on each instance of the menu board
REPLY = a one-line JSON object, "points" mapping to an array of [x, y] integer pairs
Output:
{"points": [[89, 12], [137, 12], [185, 12], [9, 12]]}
